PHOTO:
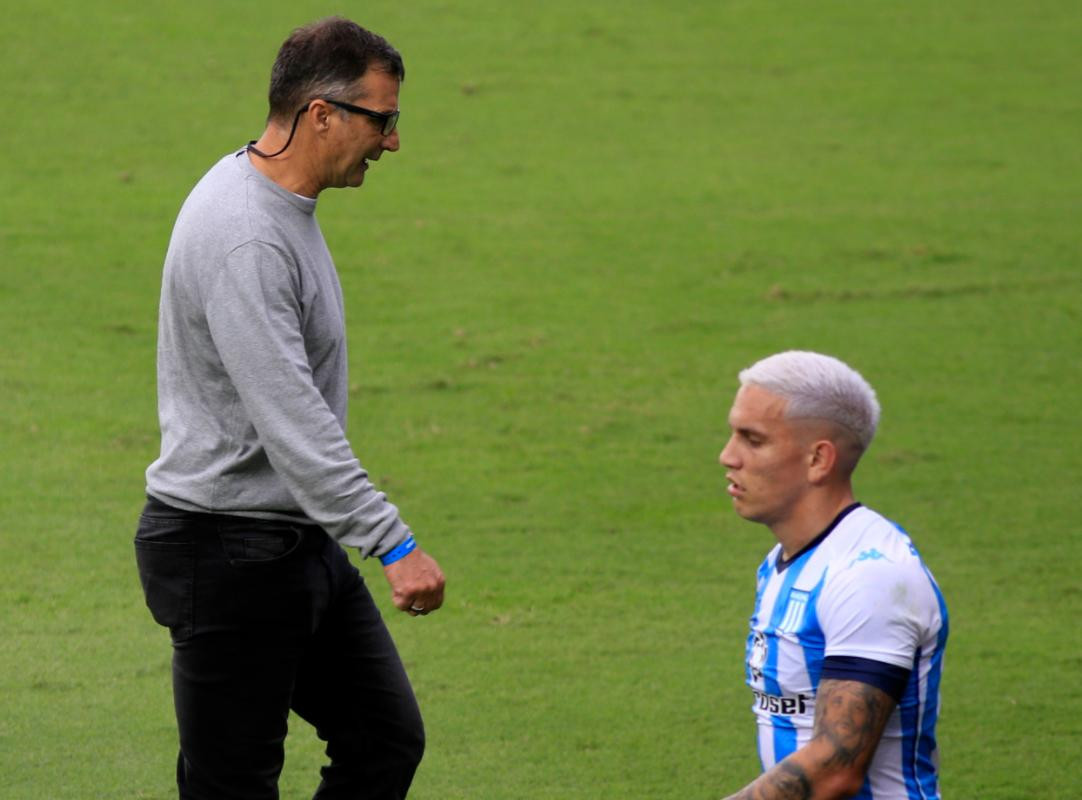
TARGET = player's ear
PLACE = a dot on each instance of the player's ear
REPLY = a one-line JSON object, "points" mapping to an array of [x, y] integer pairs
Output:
{"points": [[822, 458]]}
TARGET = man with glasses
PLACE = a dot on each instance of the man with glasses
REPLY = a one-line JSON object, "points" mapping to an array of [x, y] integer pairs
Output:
{"points": [[256, 488]]}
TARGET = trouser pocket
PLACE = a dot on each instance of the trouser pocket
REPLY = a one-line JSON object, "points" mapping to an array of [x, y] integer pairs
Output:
{"points": [[260, 544], [167, 572]]}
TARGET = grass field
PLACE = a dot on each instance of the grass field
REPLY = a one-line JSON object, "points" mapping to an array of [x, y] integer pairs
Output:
{"points": [[600, 212]]}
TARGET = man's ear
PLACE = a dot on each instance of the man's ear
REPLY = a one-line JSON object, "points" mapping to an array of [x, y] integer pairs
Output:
{"points": [[822, 459], [318, 115]]}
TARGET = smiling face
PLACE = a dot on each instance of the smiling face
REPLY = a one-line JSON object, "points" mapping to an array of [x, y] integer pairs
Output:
{"points": [[354, 140], [768, 459]]}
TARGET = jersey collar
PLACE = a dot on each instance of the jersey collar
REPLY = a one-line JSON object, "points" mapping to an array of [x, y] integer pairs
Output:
{"points": [[783, 563]]}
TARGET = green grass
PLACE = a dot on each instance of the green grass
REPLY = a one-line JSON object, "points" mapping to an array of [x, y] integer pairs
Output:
{"points": [[599, 214]]}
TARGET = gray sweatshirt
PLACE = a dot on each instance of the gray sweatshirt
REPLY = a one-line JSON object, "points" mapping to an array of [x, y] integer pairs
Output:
{"points": [[252, 372]]}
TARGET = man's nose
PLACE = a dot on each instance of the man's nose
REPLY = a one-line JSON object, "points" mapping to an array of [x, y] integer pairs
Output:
{"points": [[727, 457]]}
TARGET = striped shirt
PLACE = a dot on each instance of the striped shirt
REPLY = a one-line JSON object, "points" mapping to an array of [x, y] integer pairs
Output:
{"points": [[857, 603]]}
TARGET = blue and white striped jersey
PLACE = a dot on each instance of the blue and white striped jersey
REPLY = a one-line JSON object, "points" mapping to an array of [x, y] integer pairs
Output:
{"points": [[860, 598]]}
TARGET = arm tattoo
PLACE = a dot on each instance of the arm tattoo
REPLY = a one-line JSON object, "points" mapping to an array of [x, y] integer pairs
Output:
{"points": [[850, 716], [786, 781], [849, 720]]}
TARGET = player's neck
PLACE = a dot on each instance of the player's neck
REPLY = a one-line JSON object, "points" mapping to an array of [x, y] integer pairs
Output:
{"points": [[811, 517]]}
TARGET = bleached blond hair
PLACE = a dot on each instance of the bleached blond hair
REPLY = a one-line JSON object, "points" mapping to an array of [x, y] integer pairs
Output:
{"points": [[817, 386]]}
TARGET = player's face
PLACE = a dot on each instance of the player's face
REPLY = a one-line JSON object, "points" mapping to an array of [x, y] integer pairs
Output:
{"points": [[766, 458], [358, 139]]}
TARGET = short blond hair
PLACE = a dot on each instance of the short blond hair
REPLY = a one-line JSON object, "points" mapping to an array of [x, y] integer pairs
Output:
{"points": [[817, 386]]}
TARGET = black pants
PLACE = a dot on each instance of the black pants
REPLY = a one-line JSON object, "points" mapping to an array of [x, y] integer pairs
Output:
{"points": [[266, 617]]}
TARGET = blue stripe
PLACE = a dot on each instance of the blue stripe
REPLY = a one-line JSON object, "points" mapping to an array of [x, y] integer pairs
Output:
{"points": [[760, 583], [926, 747], [918, 724], [785, 738], [909, 713], [781, 605], [811, 636]]}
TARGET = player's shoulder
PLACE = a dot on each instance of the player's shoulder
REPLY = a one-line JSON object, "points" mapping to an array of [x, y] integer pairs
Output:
{"points": [[867, 542], [875, 583]]}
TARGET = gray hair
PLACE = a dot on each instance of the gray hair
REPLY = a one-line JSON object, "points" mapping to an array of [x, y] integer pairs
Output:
{"points": [[816, 386]]}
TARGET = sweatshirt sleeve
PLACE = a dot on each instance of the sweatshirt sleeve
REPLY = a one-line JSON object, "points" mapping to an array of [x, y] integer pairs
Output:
{"points": [[254, 315]]}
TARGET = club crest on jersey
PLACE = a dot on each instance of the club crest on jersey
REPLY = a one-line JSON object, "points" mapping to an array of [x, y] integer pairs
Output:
{"points": [[757, 653], [794, 612]]}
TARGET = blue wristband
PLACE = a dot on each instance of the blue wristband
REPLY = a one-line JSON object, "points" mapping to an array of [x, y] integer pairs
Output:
{"points": [[399, 552]]}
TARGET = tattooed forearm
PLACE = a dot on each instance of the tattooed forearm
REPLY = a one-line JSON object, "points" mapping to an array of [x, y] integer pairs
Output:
{"points": [[850, 716], [786, 781], [849, 721]]}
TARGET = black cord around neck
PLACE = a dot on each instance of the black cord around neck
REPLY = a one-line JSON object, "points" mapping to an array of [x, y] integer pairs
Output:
{"points": [[251, 148]]}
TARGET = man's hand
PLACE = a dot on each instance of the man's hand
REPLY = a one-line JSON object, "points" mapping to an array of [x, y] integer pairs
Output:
{"points": [[416, 583]]}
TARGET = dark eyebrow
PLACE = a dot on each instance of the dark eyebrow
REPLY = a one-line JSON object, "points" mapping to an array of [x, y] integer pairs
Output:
{"points": [[749, 432]]}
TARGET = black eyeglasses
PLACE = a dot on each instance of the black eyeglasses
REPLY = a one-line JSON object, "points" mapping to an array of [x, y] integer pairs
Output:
{"points": [[388, 118]]}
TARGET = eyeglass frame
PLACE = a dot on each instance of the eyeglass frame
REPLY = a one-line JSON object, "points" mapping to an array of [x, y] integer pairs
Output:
{"points": [[388, 118]]}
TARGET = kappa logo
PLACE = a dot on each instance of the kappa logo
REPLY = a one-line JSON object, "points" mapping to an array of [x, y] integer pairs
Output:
{"points": [[870, 555]]}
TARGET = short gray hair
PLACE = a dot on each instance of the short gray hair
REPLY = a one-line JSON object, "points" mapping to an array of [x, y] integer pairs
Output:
{"points": [[817, 386]]}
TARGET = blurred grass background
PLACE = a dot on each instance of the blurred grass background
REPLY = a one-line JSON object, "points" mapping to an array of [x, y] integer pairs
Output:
{"points": [[600, 213]]}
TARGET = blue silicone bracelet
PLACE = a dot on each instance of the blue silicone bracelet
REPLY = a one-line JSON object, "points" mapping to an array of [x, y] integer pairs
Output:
{"points": [[399, 552]]}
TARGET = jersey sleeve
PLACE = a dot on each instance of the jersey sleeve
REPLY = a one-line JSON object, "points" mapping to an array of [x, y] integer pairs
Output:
{"points": [[888, 677], [254, 315], [872, 609]]}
